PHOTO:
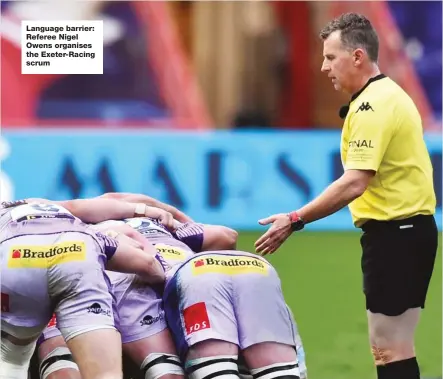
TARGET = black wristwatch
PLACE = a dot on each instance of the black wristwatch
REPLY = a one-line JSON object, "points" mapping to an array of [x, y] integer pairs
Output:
{"points": [[297, 222]]}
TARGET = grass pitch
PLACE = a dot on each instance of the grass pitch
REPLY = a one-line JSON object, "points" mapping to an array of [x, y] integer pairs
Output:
{"points": [[322, 282]]}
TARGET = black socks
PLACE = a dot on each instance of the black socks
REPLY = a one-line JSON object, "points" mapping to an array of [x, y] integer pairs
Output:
{"points": [[406, 369]]}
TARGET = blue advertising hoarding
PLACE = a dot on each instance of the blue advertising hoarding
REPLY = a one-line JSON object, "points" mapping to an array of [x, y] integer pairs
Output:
{"points": [[226, 177]]}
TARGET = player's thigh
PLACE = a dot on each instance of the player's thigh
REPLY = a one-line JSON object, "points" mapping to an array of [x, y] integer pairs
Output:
{"points": [[205, 309], [211, 348], [98, 354], [268, 353]]}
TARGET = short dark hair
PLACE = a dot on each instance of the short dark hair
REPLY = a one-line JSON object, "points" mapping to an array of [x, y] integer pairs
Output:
{"points": [[356, 31]]}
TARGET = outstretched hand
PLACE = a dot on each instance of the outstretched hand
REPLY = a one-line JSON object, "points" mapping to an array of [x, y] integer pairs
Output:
{"points": [[279, 231]]}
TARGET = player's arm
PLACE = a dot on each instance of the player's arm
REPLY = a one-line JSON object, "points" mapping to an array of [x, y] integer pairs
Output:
{"points": [[150, 201], [201, 237], [93, 211], [218, 237], [351, 185], [120, 230], [370, 135], [132, 260], [97, 210], [362, 162]]}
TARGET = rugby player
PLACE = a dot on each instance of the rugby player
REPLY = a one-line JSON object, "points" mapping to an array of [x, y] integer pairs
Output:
{"points": [[211, 313], [52, 260]]}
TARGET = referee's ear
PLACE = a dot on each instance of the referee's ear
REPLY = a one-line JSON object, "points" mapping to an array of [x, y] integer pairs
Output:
{"points": [[359, 56]]}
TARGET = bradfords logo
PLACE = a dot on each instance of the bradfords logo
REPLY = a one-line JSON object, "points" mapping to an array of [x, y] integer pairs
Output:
{"points": [[170, 252], [229, 265], [46, 256]]}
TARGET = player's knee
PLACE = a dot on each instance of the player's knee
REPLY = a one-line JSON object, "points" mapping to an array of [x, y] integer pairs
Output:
{"points": [[284, 370], [391, 346], [57, 360], [381, 355], [162, 365], [388, 353], [218, 367]]}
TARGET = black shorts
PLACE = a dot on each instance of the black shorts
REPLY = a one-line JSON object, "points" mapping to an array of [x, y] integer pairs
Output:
{"points": [[397, 263]]}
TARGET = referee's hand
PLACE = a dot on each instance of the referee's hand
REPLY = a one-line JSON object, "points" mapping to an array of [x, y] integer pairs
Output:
{"points": [[279, 231]]}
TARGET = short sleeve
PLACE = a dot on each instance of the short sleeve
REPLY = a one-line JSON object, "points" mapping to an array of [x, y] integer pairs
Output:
{"points": [[191, 234], [370, 132]]}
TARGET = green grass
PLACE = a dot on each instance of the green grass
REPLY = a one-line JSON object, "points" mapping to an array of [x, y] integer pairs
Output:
{"points": [[322, 283]]}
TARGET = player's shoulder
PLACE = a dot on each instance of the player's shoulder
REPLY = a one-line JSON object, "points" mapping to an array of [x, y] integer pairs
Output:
{"points": [[382, 97]]}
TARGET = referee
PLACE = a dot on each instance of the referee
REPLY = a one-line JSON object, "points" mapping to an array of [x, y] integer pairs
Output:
{"points": [[388, 186]]}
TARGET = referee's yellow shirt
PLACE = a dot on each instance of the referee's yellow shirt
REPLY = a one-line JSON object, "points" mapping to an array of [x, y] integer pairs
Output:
{"points": [[383, 132]]}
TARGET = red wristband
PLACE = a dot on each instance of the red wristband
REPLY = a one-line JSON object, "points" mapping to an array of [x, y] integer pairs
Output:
{"points": [[294, 217]]}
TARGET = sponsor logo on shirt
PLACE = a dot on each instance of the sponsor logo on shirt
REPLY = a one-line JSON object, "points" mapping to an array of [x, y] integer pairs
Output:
{"points": [[365, 107], [149, 320], [196, 318], [46, 256], [229, 265], [360, 143], [171, 252]]}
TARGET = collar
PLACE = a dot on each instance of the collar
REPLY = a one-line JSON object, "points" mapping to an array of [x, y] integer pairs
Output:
{"points": [[345, 108]]}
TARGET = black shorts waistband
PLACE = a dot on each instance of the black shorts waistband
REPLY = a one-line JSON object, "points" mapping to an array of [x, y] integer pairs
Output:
{"points": [[419, 220]]}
